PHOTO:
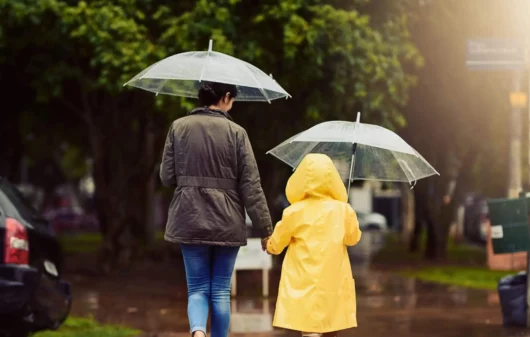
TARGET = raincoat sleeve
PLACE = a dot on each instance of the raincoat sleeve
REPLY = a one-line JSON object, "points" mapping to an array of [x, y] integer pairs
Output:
{"points": [[283, 233], [167, 167], [352, 233], [250, 189]]}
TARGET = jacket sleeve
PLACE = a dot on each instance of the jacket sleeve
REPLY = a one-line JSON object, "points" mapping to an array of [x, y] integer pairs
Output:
{"points": [[250, 189], [352, 233], [167, 167], [282, 236]]}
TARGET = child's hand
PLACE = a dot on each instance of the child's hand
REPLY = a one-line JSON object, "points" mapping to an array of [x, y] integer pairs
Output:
{"points": [[264, 243]]}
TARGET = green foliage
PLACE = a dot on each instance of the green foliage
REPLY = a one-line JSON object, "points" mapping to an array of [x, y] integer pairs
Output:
{"points": [[73, 57], [117, 41], [352, 64], [88, 327], [73, 163], [346, 62], [89, 242], [80, 243], [332, 60]]}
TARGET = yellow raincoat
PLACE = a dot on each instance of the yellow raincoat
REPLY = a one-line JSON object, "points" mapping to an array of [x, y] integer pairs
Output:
{"points": [[317, 290]]}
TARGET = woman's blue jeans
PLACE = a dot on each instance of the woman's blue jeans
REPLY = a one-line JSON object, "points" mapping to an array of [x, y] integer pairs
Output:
{"points": [[209, 276]]}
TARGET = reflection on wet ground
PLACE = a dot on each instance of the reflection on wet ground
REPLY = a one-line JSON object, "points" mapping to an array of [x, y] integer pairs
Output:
{"points": [[154, 300]]}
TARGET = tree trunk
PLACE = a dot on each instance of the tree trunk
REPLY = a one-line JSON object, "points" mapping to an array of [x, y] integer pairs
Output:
{"points": [[436, 246], [431, 244], [420, 204], [150, 186], [437, 228], [407, 215], [120, 209], [112, 225], [10, 165], [442, 208], [415, 240]]}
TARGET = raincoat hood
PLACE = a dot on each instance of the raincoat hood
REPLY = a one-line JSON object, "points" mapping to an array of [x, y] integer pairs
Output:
{"points": [[316, 177]]}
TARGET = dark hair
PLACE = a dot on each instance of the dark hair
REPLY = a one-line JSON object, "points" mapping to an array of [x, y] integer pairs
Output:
{"points": [[211, 92]]}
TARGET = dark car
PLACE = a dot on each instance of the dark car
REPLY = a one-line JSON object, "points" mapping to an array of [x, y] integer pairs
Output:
{"points": [[32, 295]]}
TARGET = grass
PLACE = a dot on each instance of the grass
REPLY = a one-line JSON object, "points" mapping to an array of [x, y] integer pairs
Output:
{"points": [[80, 243], [476, 278], [88, 327], [464, 266], [394, 253], [88, 242]]}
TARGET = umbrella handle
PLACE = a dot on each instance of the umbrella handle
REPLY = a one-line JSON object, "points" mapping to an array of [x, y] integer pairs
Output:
{"points": [[352, 167], [358, 121]]}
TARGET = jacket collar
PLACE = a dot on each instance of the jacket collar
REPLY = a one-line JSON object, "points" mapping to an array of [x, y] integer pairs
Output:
{"points": [[210, 112]]}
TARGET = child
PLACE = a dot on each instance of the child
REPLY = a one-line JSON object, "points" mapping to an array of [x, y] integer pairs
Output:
{"points": [[317, 290]]}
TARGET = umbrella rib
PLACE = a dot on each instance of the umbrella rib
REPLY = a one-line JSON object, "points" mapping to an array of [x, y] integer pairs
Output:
{"points": [[160, 87], [407, 167], [258, 84], [432, 167], [142, 76], [283, 160], [308, 151]]}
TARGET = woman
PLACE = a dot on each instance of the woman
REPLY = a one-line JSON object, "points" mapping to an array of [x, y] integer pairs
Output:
{"points": [[209, 161]]}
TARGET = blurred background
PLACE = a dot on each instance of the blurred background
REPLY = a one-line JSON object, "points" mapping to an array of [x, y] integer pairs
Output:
{"points": [[84, 151]]}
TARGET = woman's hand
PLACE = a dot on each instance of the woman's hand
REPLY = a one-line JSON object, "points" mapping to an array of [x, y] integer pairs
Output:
{"points": [[264, 242]]}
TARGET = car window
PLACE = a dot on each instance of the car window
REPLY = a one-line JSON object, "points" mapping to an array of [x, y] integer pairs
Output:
{"points": [[13, 202]]}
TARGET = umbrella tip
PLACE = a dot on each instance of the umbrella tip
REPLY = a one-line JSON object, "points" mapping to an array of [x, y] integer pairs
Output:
{"points": [[358, 117], [210, 45]]}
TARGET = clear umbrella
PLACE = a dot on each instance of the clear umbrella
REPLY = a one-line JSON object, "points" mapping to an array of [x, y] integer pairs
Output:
{"points": [[182, 74], [359, 151]]}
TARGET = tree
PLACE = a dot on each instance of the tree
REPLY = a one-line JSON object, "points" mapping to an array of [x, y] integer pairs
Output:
{"points": [[77, 68], [458, 119], [332, 58]]}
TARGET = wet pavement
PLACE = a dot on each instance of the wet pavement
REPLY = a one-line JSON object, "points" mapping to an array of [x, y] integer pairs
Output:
{"points": [[153, 299]]}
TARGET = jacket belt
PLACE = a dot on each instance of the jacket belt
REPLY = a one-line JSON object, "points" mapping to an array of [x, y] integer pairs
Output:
{"points": [[207, 182]]}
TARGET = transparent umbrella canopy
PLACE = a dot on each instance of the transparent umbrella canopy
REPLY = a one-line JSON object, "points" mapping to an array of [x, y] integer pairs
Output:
{"points": [[359, 151], [183, 74]]}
